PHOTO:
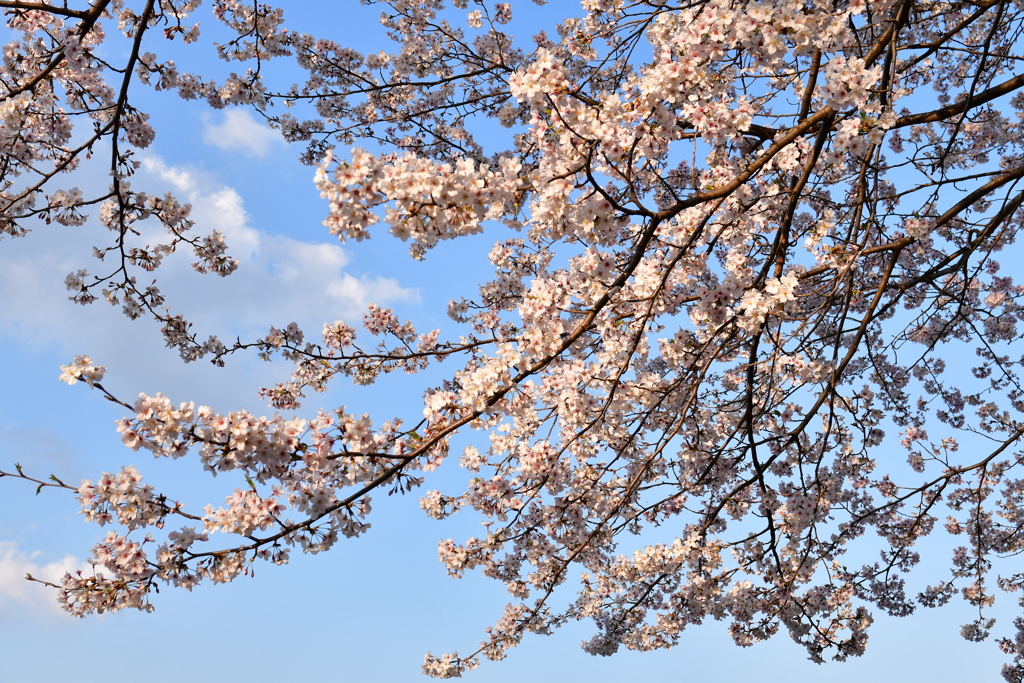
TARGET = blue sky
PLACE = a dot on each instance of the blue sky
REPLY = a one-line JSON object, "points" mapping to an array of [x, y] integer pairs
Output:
{"points": [[372, 606]]}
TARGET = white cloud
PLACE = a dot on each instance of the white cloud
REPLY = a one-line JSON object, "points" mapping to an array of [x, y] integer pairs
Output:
{"points": [[279, 280], [18, 596], [214, 206], [240, 132]]}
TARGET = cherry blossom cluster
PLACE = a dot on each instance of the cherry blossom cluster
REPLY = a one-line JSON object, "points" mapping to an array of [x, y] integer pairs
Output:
{"points": [[132, 503], [82, 369], [424, 201]]}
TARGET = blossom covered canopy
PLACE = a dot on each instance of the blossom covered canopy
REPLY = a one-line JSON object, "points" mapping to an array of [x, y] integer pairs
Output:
{"points": [[737, 244]]}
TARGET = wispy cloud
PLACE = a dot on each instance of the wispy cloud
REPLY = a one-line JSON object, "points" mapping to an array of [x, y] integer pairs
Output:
{"points": [[240, 132], [41, 445]]}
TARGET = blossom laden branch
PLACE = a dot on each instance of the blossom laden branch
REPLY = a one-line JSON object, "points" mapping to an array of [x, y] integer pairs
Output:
{"points": [[725, 276]]}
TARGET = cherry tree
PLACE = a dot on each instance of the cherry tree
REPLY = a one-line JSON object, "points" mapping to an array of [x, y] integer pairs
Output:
{"points": [[733, 242]]}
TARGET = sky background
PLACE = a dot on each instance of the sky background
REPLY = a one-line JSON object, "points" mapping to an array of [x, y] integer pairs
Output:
{"points": [[372, 606]]}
